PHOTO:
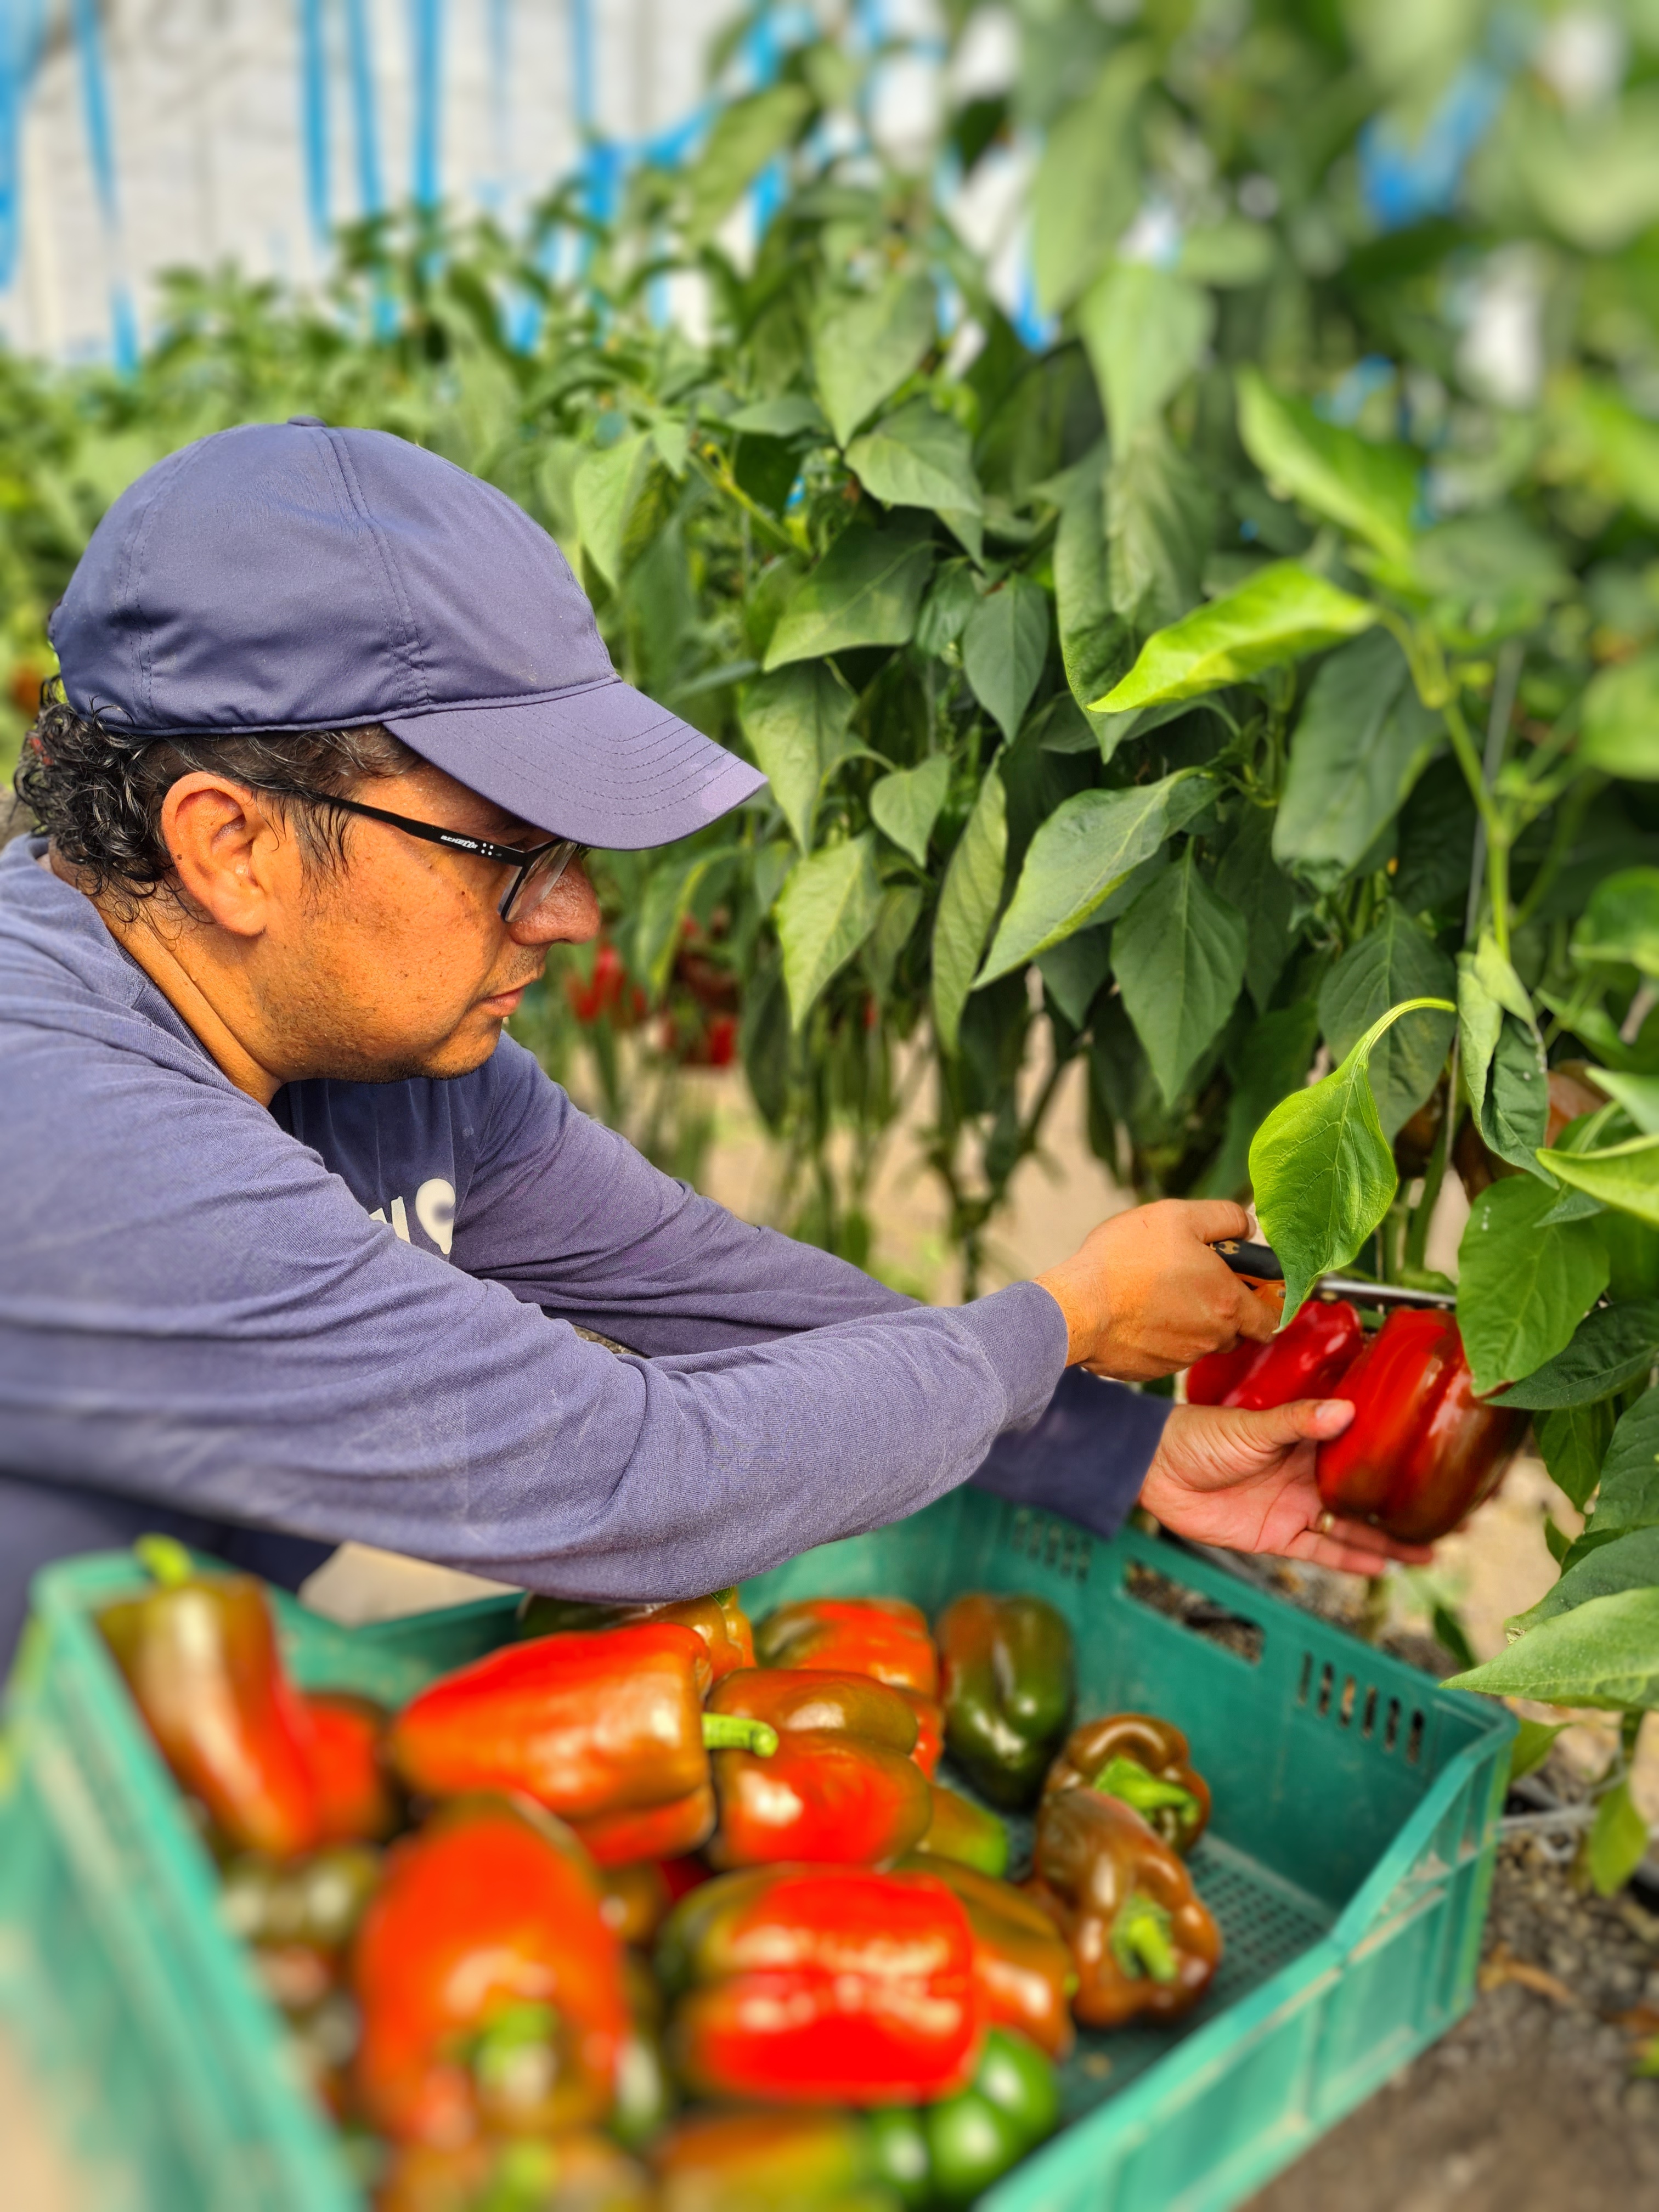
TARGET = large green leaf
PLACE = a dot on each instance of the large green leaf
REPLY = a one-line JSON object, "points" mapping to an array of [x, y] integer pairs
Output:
{"points": [[1088, 183], [1625, 1175], [1620, 924], [1618, 1840], [1080, 855], [1272, 1062], [905, 805], [1603, 1654], [1522, 1288], [1610, 1349], [1280, 613], [1572, 1442], [1074, 969], [1368, 489], [864, 346], [1630, 1562], [796, 723], [1637, 1094], [1266, 898], [1160, 517], [917, 457], [1146, 330], [1363, 740], [1094, 640], [1628, 1496], [606, 488], [669, 892], [746, 136], [1003, 649], [864, 590], [1395, 959], [1321, 1169], [1178, 954], [967, 907], [827, 907], [1621, 728], [1505, 1069]]}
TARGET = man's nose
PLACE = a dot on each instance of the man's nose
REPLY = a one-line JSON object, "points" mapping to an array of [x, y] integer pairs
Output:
{"points": [[570, 914]]}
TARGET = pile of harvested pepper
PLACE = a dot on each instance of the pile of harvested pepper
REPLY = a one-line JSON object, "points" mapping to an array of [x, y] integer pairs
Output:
{"points": [[650, 1911]]}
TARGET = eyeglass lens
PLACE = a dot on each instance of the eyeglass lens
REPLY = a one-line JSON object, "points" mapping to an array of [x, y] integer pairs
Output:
{"points": [[526, 895]]}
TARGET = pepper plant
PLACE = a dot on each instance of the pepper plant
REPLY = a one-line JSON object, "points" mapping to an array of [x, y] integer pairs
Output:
{"points": [[1212, 634]]}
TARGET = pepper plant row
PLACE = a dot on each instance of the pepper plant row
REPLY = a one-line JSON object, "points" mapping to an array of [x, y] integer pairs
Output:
{"points": [[1258, 676]]}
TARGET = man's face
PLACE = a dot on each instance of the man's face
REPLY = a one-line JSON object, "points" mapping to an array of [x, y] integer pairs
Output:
{"points": [[398, 964]]}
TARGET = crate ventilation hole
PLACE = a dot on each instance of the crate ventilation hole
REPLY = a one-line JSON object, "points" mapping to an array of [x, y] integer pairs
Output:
{"points": [[1349, 1698]]}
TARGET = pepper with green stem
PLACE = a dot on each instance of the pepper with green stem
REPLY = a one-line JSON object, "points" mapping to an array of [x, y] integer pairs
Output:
{"points": [[1146, 1763]]}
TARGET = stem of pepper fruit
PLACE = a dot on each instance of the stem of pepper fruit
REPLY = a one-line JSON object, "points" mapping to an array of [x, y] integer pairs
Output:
{"points": [[1140, 1941], [1140, 1788], [168, 1560], [737, 1732]]}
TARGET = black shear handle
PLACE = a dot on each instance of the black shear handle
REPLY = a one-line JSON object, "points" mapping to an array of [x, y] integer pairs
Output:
{"points": [[1258, 1261]]}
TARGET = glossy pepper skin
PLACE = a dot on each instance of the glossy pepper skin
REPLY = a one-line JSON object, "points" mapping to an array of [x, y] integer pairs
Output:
{"points": [[576, 2172], [604, 1727], [199, 1655], [965, 1832], [1006, 1664], [1146, 1763], [881, 1636], [1422, 1450], [1021, 1966], [346, 1753], [949, 2152], [929, 1731], [814, 1985], [1308, 1358], [812, 2162], [840, 1788], [720, 1620], [1141, 1941], [490, 1983]]}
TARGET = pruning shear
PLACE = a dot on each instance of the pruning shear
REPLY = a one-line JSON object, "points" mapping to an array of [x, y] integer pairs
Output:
{"points": [[1259, 1265]]}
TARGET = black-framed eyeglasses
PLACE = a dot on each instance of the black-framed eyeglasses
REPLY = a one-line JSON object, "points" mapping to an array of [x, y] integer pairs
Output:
{"points": [[536, 868]]}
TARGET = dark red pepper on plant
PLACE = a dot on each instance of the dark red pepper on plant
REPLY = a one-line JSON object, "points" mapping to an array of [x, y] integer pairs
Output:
{"points": [[1422, 1450], [1307, 1358], [1146, 1763], [885, 1637]]}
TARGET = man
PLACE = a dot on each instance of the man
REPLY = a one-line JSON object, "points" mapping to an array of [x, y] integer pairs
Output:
{"points": [[295, 1237]]}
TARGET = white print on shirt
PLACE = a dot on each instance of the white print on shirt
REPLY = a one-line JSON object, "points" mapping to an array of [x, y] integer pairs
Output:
{"points": [[435, 1209]]}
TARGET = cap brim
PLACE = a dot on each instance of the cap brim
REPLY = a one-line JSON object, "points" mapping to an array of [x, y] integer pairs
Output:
{"points": [[604, 764]]}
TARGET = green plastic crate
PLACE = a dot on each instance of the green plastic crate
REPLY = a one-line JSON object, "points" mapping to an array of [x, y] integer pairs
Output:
{"points": [[1349, 1864]]}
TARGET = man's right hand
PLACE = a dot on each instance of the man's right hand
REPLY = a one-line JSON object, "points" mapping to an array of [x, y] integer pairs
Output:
{"points": [[1145, 1294]]}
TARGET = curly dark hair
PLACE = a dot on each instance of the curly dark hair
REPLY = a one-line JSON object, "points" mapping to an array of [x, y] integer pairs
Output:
{"points": [[97, 791]]}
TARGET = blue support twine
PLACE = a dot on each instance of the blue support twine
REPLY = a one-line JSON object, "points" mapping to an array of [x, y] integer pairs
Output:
{"points": [[101, 146], [425, 42], [359, 55], [314, 116]]}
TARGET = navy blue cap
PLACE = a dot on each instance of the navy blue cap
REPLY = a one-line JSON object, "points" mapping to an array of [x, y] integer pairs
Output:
{"points": [[290, 576]]}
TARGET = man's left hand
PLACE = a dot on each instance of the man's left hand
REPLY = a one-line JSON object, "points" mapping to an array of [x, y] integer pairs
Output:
{"points": [[1246, 1481]]}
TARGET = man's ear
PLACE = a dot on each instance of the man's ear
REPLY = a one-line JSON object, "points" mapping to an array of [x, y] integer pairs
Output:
{"points": [[231, 852]]}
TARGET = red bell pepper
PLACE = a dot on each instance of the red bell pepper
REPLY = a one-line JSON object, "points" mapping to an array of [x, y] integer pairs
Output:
{"points": [[720, 1620], [822, 1985], [605, 1729], [1146, 1763], [490, 1984], [1307, 1359], [345, 1751], [840, 1786], [1141, 1940], [929, 1731], [880, 1636], [1025, 1975], [1422, 1450], [199, 1655]]}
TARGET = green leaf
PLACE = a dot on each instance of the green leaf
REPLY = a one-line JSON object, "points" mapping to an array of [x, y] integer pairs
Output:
{"points": [[917, 457], [1621, 730], [746, 136], [606, 488], [1628, 1496], [1617, 1843], [864, 590], [1531, 1748], [967, 907], [1088, 183], [905, 805], [1075, 970], [672, 885], [1502, 1054], [1363, 740], [1094, 640], [1624, 1176], [796, 723], [827, 907], [793, 416], [864, 347], [1605, 1654], [1572, 1442], [1522, 1289], [1610, 1349], [1003, 649], [1265, 896], [1160, 515], [1179, 956], [1637, 1094], [1080, 855], [1321, 1169], [1370, 489], [1280, 613], [1146, 330], [1271, 1063], [1628, 1563], [1621, 922], [1396, 960], [900, 910]]}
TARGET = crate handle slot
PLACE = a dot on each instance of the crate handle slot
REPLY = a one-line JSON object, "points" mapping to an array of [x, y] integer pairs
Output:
{"points": [[1303, 1685], [1367, 1726], [1345, 1711], [1414, 1739], [1327, 1680], [1391, 1727], [1191, 1609]]}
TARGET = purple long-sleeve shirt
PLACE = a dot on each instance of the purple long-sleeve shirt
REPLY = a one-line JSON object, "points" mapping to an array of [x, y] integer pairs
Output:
{"points": [[345, 1317]]}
